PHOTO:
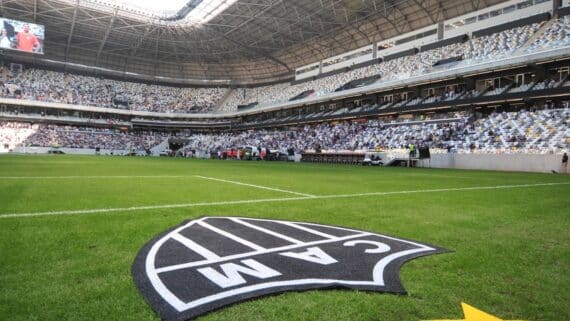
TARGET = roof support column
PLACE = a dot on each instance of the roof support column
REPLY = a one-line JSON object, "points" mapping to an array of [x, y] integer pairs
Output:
{"points": [[107, 32], [67, 47], [440, 30], [555, 6]]}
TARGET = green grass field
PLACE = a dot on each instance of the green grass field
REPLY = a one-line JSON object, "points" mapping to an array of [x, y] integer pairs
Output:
{"points": [[510, 245]]}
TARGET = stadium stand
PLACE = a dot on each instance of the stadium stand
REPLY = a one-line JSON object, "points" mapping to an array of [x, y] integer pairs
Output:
{"points": [[34, 84], [230, 117], [477, 50], [13, 134], [543, 131], [555, 36], [41, 135], [514, 132], [50, 86], [41, 85]]}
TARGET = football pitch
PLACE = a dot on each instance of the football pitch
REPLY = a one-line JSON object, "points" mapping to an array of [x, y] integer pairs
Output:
{"points": [[71, 226]]}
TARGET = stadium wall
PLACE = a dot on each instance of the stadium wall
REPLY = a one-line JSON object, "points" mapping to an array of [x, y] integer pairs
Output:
{"points": [[494, 162], [498, 162], [72, 151]]}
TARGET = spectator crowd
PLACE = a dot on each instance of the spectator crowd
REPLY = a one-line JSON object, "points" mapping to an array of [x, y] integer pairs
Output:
{"points": [[52, 86], [524, 131], [476, 50], [521, 132], [17, 134]]}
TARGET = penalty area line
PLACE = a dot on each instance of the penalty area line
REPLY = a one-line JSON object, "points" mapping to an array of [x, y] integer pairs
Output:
{"points": [[149, 207], [254, 186], [271, 200]]}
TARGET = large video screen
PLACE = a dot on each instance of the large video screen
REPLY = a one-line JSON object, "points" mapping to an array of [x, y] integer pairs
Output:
{"points": [[22, 36]]}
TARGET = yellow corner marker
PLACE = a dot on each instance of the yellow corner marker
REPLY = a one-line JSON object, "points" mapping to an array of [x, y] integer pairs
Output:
{"points": [[473, 314]]}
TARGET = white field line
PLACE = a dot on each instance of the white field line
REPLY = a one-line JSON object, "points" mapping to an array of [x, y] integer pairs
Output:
{"points": [[265, 251], [255, 186], [204, 252], [306, 229], [149, 207], [270, 200], [231, 236], [266, 231]]}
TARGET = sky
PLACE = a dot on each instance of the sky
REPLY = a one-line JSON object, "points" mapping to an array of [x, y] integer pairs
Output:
{"points": [[154, 5], [204, 11]]}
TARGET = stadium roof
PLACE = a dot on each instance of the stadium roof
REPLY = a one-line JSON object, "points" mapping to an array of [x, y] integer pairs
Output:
{"points": [[245, 41]]}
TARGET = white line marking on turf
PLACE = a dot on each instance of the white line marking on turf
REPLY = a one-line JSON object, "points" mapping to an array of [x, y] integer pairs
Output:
{"points": [[255, 186], [272, 250], [306, 229], [269, 200], [231, 236], [207, 254], [266, 231], [150, 207]]}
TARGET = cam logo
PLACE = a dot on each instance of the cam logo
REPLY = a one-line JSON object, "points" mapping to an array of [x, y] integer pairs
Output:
{"points": [[207, 263]]}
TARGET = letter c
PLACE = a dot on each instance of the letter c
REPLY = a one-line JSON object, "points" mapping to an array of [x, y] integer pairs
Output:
{"points": [[380, 247]]}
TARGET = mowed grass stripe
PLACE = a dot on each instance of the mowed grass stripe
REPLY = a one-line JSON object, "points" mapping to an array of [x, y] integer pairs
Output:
{"points": [[269, 200]]}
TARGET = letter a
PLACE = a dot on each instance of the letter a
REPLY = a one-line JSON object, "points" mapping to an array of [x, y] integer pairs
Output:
{"points": [[312, 254]]}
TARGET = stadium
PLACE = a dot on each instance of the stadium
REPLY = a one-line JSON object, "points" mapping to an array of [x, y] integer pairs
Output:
{"points": [[284, 160]]}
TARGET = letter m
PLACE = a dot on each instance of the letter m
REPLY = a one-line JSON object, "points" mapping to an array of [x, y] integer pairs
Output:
{"points": [[232, 273]]}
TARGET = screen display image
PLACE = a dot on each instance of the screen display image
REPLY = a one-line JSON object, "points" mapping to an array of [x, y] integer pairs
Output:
{"points": [[21, 36]]}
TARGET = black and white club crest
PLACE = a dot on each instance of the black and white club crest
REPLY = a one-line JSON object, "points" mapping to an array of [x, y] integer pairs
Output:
{"points": [[207, 263]]}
